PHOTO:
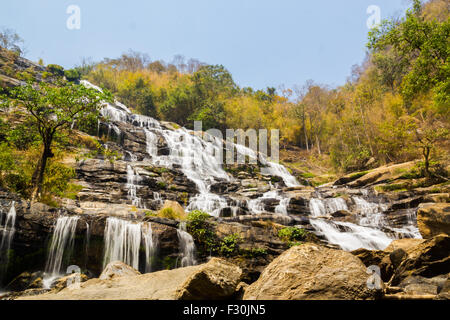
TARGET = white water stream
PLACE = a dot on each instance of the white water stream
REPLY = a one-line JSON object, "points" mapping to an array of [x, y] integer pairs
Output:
{"points": [[7, 231], [123, 240], [62, 242], [366, 234], [187, 247]]}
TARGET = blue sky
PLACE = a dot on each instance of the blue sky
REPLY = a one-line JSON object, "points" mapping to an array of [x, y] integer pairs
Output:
{"points": [[261, 42]]}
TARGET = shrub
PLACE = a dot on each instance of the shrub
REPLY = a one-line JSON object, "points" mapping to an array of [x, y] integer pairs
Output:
{"points": [[201, 231], [55, 69], [46, 75], [253, 252], [307, 175], [150, 214], [56, 179], [72, 75], [168, 213], [291, 234], [161, 184], [230, 245]]}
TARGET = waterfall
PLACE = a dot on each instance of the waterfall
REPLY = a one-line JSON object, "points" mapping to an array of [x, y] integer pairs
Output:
{"points": [[149, 245], [7, 234], [325, 207], [62, 242], [86, 244], [276, 169], [256, 206], [350, 236], [187, 246], [123, 239], [152, 143], [122, 242], [282, 207], [133, 179], [198, 159], [369, 232]]}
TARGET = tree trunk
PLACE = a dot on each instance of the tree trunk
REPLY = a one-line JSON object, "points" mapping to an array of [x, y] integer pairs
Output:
{"points": [[426, 155], [38, 175], [318, 144], [304, 129]]}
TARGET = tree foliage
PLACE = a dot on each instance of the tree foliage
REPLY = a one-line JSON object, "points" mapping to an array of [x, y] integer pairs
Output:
{"points": [[52, 108]]}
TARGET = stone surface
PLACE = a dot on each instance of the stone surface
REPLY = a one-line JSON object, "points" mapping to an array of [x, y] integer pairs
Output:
{"points": [[118, 269], [311, 271], [216, 279], [428, 259], [433, 219]]}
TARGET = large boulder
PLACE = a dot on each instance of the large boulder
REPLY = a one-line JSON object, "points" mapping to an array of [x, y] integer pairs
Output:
{"points": [[216, 279], [117, 269], [310, 271], [433, 219], [428, 259]]}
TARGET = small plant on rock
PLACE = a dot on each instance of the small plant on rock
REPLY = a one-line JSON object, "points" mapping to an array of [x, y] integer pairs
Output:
{"points": [[292, 235]]}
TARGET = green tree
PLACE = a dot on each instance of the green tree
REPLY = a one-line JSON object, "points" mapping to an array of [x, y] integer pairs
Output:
{"points": [[420, 44], [53, 108]]}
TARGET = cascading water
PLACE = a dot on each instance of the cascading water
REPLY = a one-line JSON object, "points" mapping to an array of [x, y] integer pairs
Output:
{"points": [[132, 184], [367, 233], [150, 246], [6, 233], [187, 246], [62, 243], [256, 206], [122, 242], [198, 159], [123, 239], [282, 207]]}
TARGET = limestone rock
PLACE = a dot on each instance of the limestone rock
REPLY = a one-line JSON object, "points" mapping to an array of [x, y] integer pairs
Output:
{"points": [[433, 219], [312, 272], [216, 279], [382, 173], [117, 269], [428, 259]]}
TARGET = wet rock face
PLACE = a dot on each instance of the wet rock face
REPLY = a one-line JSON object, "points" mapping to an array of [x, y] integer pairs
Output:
{"points": [[107, 182], [34, 229]]}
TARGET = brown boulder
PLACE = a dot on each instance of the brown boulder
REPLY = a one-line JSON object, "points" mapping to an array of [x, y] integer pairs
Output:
{"points": [[312, 272], [217, 279], [428, 259], [433, 219], [117, 269]]}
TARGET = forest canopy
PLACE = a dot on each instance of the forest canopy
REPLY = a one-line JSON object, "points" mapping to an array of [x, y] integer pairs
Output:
{"points": [[393, 108]]}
